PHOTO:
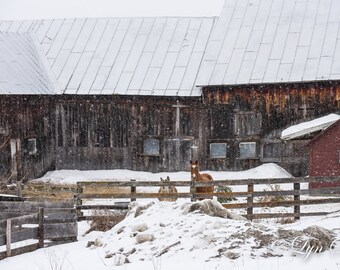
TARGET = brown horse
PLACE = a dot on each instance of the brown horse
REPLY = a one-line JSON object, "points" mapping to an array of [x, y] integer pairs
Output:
{"points": [[167, 189], [204, 177]]}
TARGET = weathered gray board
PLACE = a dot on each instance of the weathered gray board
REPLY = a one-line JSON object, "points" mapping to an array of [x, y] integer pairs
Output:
{"points": [[23, 234], [16, 231], [60, 221]]}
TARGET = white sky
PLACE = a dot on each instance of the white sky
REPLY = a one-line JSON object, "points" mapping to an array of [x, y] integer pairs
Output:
{"points": [[43, 9]]}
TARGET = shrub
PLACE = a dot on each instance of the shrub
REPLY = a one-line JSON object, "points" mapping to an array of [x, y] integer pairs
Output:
{"points": [[269, 198], [104, 220], [224, 189], [286, 220]]}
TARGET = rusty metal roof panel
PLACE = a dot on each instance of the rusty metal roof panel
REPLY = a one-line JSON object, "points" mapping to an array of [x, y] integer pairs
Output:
{"points": [[283, 41], [23, 67]]}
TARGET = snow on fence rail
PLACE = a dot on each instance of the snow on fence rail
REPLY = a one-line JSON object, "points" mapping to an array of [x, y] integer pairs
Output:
{"points": [[292, 195], [45, 222]]}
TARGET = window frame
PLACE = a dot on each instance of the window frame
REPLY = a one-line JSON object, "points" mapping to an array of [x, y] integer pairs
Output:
{"points": [[271, 159], [218, 143], [32, 143], [151, 139], [248, 143]]}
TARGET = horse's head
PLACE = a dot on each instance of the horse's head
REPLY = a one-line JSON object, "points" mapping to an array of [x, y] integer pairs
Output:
{"points": [[193, 169], [167, 189], [165, 180]]}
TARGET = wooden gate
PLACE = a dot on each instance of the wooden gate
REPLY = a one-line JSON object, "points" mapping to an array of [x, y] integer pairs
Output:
{"points": [[40, 221]]}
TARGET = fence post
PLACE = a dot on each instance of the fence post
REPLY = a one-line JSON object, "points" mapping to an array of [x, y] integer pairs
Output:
{"points": [[19, 189], [41, 228], [250, 200], [8, 237], [133, 189], [193, 190], [79, 202], [297, 201]]}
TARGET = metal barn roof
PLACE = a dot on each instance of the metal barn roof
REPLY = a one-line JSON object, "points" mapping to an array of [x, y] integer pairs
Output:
{"points": [[22, 67], [273, 41], [126, 56], [252, 42]]}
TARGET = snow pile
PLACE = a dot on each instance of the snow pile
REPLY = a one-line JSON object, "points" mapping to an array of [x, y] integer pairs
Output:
{"points": [[177, 230], [203, 231]]}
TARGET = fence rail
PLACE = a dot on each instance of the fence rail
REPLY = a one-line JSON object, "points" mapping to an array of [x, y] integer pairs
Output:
{"points": [[13, 230], [37, 221], [253, 197]]}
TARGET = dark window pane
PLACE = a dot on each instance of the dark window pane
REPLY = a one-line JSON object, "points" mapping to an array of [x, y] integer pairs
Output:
{"points": [[32, 146], [247, 150], [272, 150], [218, 150], [151, 147]]}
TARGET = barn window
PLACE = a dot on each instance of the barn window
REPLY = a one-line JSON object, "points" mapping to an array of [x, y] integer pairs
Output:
{"points": [[218, 150], [247, 124], [247, 149], [32, 146], [151, 147], [272, 150]]}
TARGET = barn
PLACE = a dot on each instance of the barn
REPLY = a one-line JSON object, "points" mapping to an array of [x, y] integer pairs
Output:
{"points": [[269, 65], [128, 98], [324, 151], [321, 144], [27, 90], [152, 93]]}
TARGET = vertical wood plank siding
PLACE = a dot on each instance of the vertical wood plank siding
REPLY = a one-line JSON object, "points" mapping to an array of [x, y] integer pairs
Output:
{"points": [[108, 132], [24, 118], [259, 113], [279, 104]]}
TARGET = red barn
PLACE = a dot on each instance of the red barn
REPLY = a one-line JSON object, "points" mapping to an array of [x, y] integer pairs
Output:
{"points": [[324, 155]]}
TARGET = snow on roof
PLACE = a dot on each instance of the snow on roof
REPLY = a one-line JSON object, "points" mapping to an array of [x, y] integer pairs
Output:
{"points": [[273, 41], [125, 56], [305, 128], [253, 41], [22, 67]]}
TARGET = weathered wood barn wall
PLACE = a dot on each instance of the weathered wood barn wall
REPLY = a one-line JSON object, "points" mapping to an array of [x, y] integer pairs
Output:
{"points": [[27, 129], [111, 132], [259, 113], [96, 132]]}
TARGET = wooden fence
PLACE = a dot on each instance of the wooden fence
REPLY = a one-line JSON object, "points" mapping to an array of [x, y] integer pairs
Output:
{"points": [[46, 191], [253, 197], [46, 222]]}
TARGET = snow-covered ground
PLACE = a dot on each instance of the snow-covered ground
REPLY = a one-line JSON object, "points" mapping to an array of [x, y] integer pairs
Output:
{"points": [[269, 170], [177, 239]]}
